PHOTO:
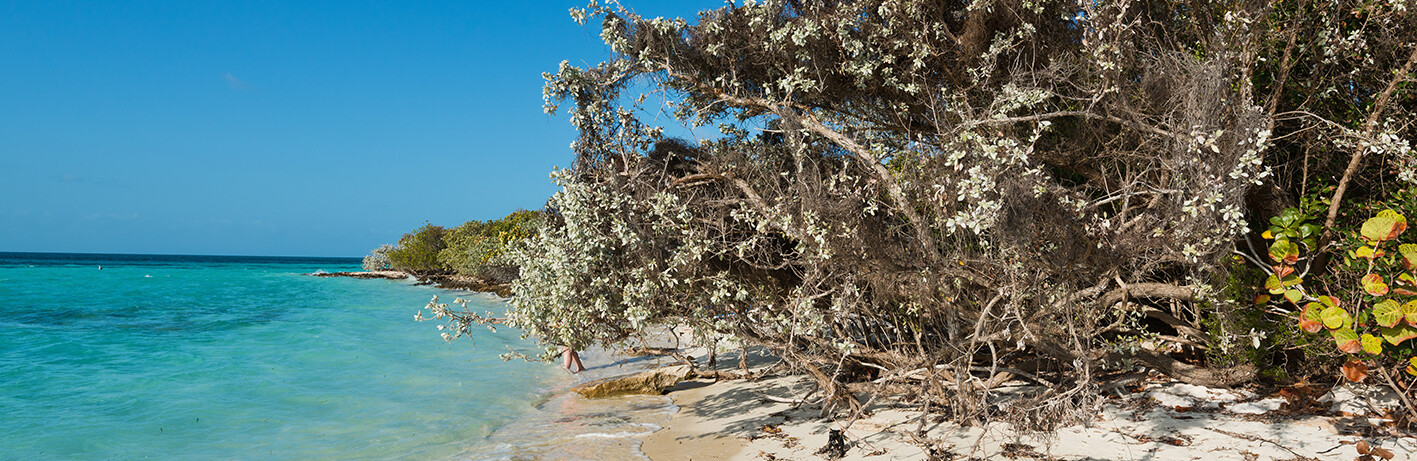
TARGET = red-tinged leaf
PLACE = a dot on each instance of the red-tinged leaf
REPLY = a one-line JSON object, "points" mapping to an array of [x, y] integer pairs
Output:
{"points": [[1379, 229], [1408, 252], [1355, 371], [1261, 299], [1404, 292], [1381, 452], [1309, 318], [1396, 336], [1363, 447], [1283, 270], [1347, 340], [1409, 312], [1284, 251], [1406, 279], [1328, 301], [1388, 313], [1373, 285], [1311, 325]]}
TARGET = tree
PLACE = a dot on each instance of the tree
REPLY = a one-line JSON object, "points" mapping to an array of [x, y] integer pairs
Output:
{"points": [[942, 196]]}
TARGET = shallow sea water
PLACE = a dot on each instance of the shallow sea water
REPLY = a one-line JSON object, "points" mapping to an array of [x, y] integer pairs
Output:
{"points": [[566, 426], [181, 357]]}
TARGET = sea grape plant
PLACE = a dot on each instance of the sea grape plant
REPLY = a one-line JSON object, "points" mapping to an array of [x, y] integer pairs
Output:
{"points": [[1386, 315]]}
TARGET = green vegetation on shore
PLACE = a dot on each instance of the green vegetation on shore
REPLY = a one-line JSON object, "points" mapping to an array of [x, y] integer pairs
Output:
{"points": [[474, 249], [936, 198]]}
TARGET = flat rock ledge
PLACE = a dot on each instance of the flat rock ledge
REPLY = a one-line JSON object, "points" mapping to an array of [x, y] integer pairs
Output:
{"points": [[393, 275], [652, 382], [450, 282]]}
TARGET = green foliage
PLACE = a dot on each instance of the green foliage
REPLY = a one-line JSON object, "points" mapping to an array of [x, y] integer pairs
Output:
{"points": [[1385, 314], [1232, 317], [475, 248], [479, 248], [1294, 225], [417, 251]]}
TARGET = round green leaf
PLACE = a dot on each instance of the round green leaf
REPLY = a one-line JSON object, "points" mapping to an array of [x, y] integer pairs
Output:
{"points": [[1335, 317], [1395, 216], [1274, 285], [1371, 344], [1388, 313], [1284, 251]]}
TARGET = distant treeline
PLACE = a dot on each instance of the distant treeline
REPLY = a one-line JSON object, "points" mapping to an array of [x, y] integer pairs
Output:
{"points": [[475, 248]]}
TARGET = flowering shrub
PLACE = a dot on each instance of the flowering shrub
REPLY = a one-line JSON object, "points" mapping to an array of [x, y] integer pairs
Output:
{"points": [[378, 260]]}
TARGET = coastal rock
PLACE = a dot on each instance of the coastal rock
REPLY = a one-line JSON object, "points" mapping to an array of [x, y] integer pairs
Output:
{"points": [[393, 275], [445, 281], [651, 382]]}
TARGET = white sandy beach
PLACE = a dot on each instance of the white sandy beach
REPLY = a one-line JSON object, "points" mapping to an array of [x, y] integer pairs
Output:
{"points": [[747, 420]]}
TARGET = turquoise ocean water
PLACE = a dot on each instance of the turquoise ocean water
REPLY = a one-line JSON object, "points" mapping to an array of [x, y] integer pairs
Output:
{"points": [[191, 357]]}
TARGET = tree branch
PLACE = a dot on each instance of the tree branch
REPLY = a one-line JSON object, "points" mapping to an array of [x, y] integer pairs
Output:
{"points": [[1369, 126]]}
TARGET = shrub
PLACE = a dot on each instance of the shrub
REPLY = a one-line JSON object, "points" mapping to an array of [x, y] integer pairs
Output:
{"points": [[417, 251], [378, 260]]}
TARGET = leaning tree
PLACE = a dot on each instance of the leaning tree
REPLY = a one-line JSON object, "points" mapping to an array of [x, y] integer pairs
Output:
{"points": [[938, 197]]}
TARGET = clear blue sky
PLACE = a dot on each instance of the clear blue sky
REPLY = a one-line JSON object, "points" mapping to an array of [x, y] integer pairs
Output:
{"points": [[277, 128]]}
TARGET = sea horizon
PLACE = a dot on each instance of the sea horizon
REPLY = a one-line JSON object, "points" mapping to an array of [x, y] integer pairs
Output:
{"points": [[109, 254]]}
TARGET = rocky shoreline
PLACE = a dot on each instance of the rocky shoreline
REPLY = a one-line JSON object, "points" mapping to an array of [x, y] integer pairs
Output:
{"points": [[450, 282]]}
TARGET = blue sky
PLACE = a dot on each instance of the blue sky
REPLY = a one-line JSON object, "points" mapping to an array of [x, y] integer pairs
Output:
{"points": [[277, 128]]}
